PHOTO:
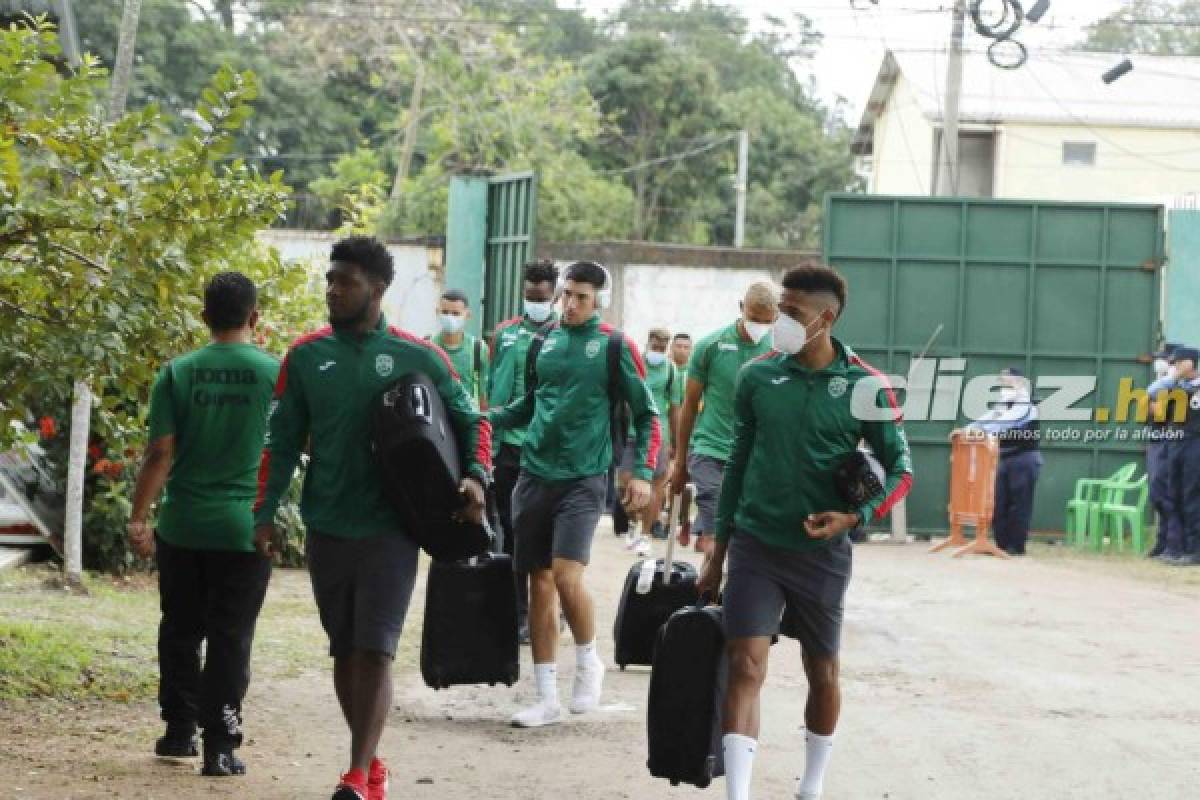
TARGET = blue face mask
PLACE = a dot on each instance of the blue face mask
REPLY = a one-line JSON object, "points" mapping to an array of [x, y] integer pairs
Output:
{"points": [[655, 358], [451, 323]]}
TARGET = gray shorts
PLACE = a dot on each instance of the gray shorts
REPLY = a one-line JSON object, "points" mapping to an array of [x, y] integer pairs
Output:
{"points": [[556, 519], [660, 469], [362, 588], [810, 584], [706, 472]]}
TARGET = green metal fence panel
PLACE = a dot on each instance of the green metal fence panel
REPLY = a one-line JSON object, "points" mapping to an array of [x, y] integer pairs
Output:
{"points": [[466, 240], [489, 237], [1181, 318], [1053, 288], [511, 222]]}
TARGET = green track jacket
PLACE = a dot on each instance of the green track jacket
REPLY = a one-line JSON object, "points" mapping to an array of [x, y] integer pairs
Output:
{"points": [[568, 435], [792, 427], [327, 386]]}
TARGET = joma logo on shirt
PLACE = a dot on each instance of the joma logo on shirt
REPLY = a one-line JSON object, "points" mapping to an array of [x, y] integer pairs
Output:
{"points": [[224, 377]]}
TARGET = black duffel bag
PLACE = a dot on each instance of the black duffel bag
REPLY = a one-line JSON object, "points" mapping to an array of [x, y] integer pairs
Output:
{"points": [[417, 454]]}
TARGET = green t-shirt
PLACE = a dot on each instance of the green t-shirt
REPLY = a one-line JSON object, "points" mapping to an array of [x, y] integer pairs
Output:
{"points": [[463, 357], [215, 402], [659, 380], [716, 361]]}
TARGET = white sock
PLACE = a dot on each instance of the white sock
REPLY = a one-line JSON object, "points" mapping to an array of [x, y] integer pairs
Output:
{"points": [[739, 765], [585, 654], [817, 749], [546, 676]]}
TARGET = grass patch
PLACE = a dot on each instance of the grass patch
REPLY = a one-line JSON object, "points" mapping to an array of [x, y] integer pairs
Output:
{"points": [[66, 662]]}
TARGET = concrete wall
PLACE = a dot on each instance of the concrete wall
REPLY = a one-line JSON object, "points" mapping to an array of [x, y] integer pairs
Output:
{"points": [[685, 289], [903, 156], [410, 301]]}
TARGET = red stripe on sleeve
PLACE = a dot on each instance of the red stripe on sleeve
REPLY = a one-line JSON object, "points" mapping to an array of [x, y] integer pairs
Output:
{"points": [[483, 447], [896, 496], [655, 448]]}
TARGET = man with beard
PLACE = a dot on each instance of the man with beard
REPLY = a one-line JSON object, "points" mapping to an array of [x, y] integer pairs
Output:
{"points": [[362, 564]]}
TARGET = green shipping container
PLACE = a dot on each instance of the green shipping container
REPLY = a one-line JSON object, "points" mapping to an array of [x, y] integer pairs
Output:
{"points": [[1056, 289]]}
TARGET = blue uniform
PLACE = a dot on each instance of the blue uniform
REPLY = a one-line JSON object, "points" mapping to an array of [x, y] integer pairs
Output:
{"points": [[1017, 428], [1182, 461]]}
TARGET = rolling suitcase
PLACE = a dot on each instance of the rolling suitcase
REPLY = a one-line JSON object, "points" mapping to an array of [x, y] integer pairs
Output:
{"points": [[686, 691], [416, 452], [470, 633], [652, 594]]}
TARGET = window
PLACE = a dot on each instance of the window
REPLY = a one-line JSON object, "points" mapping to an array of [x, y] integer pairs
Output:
{"points": [[976, 163], [1079, 154]]}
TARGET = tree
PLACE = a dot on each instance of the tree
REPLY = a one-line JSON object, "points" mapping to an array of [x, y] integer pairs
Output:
{"points": [[107, 232], [1153, 27]]}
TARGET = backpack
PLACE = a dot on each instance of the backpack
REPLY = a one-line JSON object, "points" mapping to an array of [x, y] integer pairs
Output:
{"points": [[618, 409]]}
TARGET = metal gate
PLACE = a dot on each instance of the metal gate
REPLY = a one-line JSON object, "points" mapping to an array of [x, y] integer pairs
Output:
{"points": [[489, 237], [1053, 288]]}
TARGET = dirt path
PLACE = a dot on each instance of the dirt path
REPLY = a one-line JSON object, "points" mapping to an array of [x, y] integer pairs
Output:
{"points": [[962, 679]]}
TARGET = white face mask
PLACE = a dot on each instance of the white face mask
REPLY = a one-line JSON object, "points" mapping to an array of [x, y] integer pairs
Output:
{"points": [[756, 330], [790, 337], [655, 358], [539, 312], [1009, 395], [1161, 367], [451, 323]]}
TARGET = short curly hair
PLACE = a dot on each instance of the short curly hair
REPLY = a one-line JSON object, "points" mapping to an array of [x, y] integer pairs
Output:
{"points": [[541, 271], [370, 254], [817, 278]]}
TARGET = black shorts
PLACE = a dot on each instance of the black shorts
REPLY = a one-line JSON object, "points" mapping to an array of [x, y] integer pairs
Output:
{"points": [[810, 584], [362, 588], [556, 519]]}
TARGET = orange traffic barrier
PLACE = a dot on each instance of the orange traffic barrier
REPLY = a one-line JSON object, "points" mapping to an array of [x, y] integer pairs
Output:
{"points": [[973, 459]]}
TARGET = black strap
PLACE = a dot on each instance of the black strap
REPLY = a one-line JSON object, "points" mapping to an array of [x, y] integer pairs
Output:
{"points": [[618, 409], [670, 382], [531, 355], [478, 360]]}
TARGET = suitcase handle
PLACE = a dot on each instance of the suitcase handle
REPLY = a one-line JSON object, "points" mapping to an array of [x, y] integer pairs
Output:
{"points": [[684, 500]]}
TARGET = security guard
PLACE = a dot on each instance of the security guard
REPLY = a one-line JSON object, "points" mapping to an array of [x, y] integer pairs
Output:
{"points": [[1015, 424], [1156, 452], [1183, 460]]}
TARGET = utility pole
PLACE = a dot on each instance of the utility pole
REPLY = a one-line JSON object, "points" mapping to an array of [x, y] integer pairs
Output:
{"points": [[743, 168], [947, 183]]}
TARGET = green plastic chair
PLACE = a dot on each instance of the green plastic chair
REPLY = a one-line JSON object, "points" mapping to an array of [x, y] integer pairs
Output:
{"points": [[1114, 512], [1082, 507]]}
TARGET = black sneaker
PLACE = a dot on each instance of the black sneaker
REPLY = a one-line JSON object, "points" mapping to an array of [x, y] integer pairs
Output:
{"points": [[178, 742], [221, 762], [658, 531]]}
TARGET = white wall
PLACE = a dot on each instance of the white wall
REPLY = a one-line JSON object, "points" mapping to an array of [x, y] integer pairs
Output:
{"points": [[903, 152], [694, 300], [410, 300], [1132, 164]]}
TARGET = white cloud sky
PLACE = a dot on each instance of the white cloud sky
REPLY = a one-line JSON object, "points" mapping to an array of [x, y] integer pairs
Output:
{"points": [[855, 40]]}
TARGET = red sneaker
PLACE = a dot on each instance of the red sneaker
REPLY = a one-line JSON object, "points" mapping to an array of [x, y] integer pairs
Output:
{"points": [[353, 786], [377, 780]]}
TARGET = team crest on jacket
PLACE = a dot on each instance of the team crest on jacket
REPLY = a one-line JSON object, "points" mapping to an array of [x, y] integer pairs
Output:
{"points": [[384, 365], [593, 347], [838, 386]]}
